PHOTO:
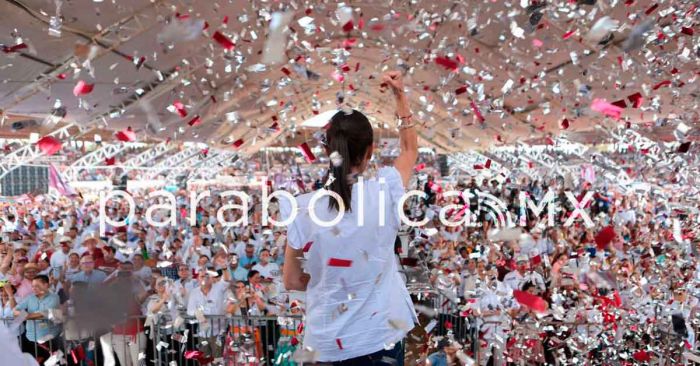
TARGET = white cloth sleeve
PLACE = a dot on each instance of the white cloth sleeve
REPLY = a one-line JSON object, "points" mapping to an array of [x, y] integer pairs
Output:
{"points": [[298, 230], [394, 190]]}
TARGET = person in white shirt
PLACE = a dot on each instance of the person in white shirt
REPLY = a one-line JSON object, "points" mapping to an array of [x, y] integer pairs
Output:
{"points": [[184, 285], [515, 279], [141, 271], [59, 258], [357, 303], [491, 314], [269, 271], [210, 298]]}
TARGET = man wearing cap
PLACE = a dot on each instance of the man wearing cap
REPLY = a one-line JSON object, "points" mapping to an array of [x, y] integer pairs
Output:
{"points": [[22, 280], [60, 257]]}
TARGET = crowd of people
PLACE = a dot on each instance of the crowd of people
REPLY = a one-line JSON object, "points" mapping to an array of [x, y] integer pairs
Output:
{"points": [[623, 289]]}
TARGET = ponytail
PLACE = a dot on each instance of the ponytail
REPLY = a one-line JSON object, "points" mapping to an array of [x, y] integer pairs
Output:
{"points": [[350, 135], [341, 185]]}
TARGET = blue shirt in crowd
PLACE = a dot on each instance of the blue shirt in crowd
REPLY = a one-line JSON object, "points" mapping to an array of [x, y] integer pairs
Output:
{"points": [[40, 330]]}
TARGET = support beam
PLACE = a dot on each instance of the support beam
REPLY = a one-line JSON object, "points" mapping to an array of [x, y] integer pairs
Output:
{"points": [[29, 152], [170, 162], [143, 159], [95, 158]]}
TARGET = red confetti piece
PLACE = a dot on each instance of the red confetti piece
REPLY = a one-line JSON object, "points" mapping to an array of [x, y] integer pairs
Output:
{"points": [[306, 151], [62, 76], [141, 60], [651, 9], [477, 112], [286, 71], [49, 145], [620, 103], [127, 135], [420, 167], [337, 76], [641, 356], [688, 31], [661, 84], [82, 88], [339, 343], [361, 24], [533, 302], [602, 106], [223, 41], [604, 237], [238, 143], [446, 63], [461, 90], [636, 99], [347, 27], [307, 246], [225, 20], [568, 34], [378, 27], [536, 260], [180, 108], [478, 167], [349, 42], [337, 262], [110, 161], [564, 124], [195, 121], [15, 48]]}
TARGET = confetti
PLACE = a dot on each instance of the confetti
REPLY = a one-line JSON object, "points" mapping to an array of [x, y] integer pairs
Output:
{"points": [[602, 106], [306, 151], [49, 145], [82, 88], [223, 41], [533, 302], [126, 135], [336, 262]]}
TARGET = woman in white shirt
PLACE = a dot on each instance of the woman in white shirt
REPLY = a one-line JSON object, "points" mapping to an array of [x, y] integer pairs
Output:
{"points": [[358, 308]]}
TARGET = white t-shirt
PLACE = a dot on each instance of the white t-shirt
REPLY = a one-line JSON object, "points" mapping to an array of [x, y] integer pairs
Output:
{"points": [[358, 308], [58, 259], [271, 270]]}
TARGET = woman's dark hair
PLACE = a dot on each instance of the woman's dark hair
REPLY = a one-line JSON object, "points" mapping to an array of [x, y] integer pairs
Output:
{"points": [[350, 135], [527, 285]]}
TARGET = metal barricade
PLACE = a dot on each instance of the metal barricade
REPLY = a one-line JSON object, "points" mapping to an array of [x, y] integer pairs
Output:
{"points": [[231, 340]]}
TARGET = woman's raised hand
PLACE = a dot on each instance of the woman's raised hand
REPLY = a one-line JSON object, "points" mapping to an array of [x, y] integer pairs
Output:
{"points": [[394, 80]]}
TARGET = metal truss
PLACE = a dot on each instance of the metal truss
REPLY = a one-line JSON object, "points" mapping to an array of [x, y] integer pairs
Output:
{"points": [[29, 151], [188, 165], [143, 159], [465, 161], [95, 158], [211, 167], [171, 162]]}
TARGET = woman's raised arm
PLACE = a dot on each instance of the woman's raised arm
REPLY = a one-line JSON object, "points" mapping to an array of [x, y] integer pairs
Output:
{"points": [[408, 136]]}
